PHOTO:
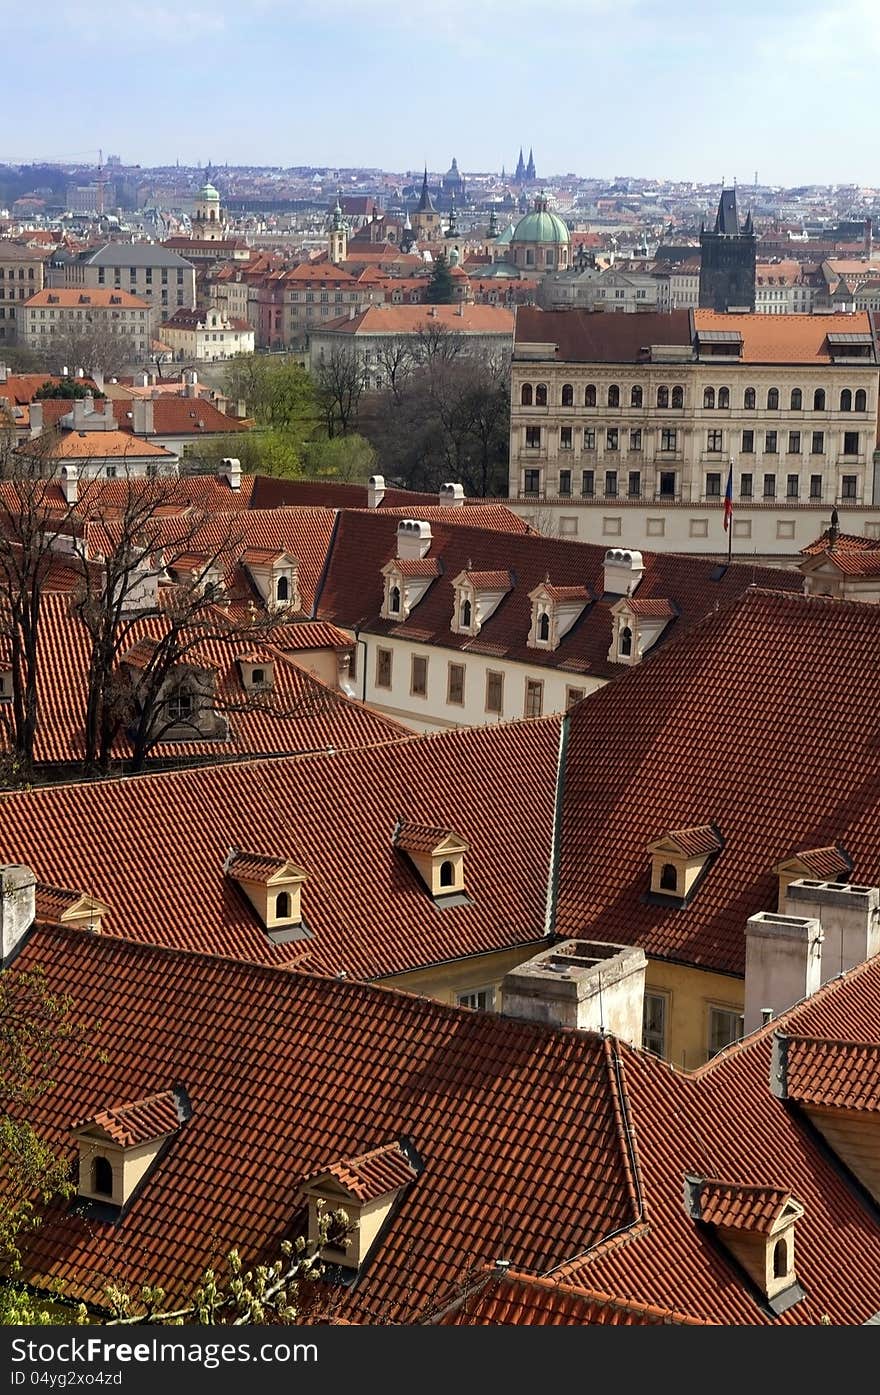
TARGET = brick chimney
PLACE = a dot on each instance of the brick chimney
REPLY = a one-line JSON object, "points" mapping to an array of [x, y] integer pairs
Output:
{"points": [[18, 905], [593, 987]]}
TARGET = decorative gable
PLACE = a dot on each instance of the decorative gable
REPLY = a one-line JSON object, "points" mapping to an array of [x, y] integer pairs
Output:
{"points": [[680, 858], [365, 1188], [405, 584], [477, 597], [58, 906], [120, 1145], [554, 610], [636, 626], [437, 855], [276, 577], [257, 673], [756, 1225], [273, 885], [830, 864]]}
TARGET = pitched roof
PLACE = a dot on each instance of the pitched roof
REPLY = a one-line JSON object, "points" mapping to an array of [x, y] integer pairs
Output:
{"points": [[695, 842], [100, 445], [702, 731], [739, 1207], [95, 296], [522, 1300], [583, 337], [786, 338], [824, 1072], [372, 1175], [411, 319], [139, 1122], [825, 864], [138, 254]]}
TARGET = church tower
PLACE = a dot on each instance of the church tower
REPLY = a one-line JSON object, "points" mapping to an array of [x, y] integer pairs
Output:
{"points": [[208, 219], [520, 175], [338, 239], [426, 220], [727, 260], [530, 169]]}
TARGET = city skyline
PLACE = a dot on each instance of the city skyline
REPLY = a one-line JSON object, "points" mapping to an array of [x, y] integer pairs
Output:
{"points": [[497, 78]]}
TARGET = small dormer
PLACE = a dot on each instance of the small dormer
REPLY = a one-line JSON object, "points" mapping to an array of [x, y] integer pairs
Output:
{"points": [[200, 574], [756, 1225], [437, 855], [830, 864], [413, 539], [554, 610], [623, 570], [58, 906], [679, 860], [257, 673], [636, 626], [405, 583], [273, 886], [477, 597], [118, 1147], [276, 577], [365, 1188]]}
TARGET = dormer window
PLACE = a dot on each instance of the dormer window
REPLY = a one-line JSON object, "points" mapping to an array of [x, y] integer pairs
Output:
{"points": [[756, 1226], [365, 1189], [680, 859], [829, 864], [636, 625], [119, 1147], [405, 583], [464, 617], [477, 597], [437, 854], [544, 627], [273, 886], [282, 589], [554, 610], [625, 642], [275, 575], [394, 600], [257, 673]]}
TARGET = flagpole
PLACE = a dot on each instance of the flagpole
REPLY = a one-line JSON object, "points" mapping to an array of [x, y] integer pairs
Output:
{"points": [[728, 507]]}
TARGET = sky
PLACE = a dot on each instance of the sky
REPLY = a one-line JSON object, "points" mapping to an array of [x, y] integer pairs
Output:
{"points": [[677, 89]]}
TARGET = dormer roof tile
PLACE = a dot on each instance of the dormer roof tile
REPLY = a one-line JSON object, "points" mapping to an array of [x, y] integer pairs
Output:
{"points": [[739, 1207], [489, 581], [418, 567], [695, 842], [259, 867], [421, 838], [825, 1073], [372, 1175], [138, 1122]]}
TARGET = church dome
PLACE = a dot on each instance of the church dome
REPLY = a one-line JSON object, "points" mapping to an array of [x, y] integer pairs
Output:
{"points": [[541, 226], [208, 193]]}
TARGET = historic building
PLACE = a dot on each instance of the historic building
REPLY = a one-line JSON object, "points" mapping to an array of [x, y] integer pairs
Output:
{"points": [[208, 218], [427, 224], [727, 259]]}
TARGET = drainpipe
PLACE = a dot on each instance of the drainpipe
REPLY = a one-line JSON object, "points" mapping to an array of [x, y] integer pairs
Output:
{"points": [[358, 640]]}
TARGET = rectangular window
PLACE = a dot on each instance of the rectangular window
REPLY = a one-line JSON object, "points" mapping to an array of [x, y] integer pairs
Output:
{"points": [[714, 440], [635, 439], [383, 668], [634, 484], [817, 445], [573, 695], [713, 485], [533, 437], [654, 1023], [815, 486], [770, 447], [588, 483], [769, 486], [494, 692], [794, 443], [725, 1026], [748, 442], [667, 484], [565, 438], [669, 440], [610, 484], [792, 486], [589, 438], [612, 437], [848, 486], [745, 486], [531, 481], [483, 999], [850, 442], [565, 481], [534, 697], [455, 688], [419, 676]]}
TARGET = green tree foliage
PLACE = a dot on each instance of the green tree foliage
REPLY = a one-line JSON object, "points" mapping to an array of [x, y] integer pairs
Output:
{"points": [[441, 287], [349, 458], [67, 388], [277, 392], [262, 452]]}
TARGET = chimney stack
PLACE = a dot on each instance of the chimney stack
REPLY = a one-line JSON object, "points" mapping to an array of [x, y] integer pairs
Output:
{"points": [[230, 470], [451, 495], [18, 907], [850, 918], [624, 570], [70, 483], [4, 372], [35, 417], [413, 539], [142, 416], [783, 963], [593, 987], [375, 491]]}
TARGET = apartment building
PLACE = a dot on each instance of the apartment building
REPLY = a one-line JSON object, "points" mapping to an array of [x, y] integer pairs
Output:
{"points": [[69, 314], [479, 331], [22, 275], [166, 281]]}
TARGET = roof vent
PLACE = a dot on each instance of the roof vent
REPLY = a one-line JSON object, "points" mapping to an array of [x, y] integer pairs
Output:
{"points": [[624, 570], [413, 539]]}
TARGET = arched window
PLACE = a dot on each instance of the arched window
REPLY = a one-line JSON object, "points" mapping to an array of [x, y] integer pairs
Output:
{"points": [[544, 627], [724, 397], [282, 905], [102, 1177], [780, 1259], [590, 395], [669, 877], [447, 873], [394, 600], [819, 400], [525, 396], [567, 395], [282, 588], [635, 397], [846, 400], [541, 395], [625, 644], [663, 397], [465, 619], [749, 399], [773, 400], [861, 402], [709, 397], [678, 397], [797, 400], [614, 395]]}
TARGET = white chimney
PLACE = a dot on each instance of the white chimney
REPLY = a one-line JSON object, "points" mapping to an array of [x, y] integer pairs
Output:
{"points": [[230, 470], [142, 416], [850, 917], [413, 539], [142, 380], [18, 906], [593, 987], [36, 418], [4, 372], [375, 491], [70, 483], [624, 570], [80, 372], [783, 963], [190, 376], [451, 495]]}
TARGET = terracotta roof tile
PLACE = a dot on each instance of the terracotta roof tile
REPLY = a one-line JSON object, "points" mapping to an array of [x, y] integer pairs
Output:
{"points": [[693, 842], [785, 338], [523, 1300], [417, 837], [140, 1122], [825, 864], [490, 581], [254, 867], [826, 1073], [739, 1207], [582, 337], [372, 1175]]}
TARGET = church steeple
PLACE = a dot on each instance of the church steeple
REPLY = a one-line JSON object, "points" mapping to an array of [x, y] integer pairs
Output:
{"points": [[493, 224], [520, 175], [337, 247], [530, 167], [426, 203], [452, 230]]}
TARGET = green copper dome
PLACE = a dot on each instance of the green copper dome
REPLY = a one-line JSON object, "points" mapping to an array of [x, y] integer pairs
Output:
{"points": [[209, 193], [541, 226]]}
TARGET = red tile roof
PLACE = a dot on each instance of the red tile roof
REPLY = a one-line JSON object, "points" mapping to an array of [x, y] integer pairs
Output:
{"points": [[583, 337], [702, 731], [825, 1073], [660, 608], [416, 567], [786, 338], [522, 1300], [693, 842], [412, 319], [372, 1175], [490, 581], [90, 295], [739, 1207], [825, 864], [140, 1122], [254, 867], [417, 837]]}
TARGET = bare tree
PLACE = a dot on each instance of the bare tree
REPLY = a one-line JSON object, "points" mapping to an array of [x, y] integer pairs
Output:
{"points": [[395, 360], [435, 343], [340, 382], [94, 347]]}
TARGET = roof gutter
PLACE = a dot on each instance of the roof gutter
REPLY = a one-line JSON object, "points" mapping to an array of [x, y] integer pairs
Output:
{"points": [[556, 837]]}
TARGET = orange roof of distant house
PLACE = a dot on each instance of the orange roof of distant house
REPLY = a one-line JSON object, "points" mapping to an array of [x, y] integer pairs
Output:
{"points": [[785, 338], [93, 296], [85, 445], [410, 319]]}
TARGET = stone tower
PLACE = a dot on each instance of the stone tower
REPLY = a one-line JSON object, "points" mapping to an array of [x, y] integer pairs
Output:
{"points": [[338, 236], [727, 260]]}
